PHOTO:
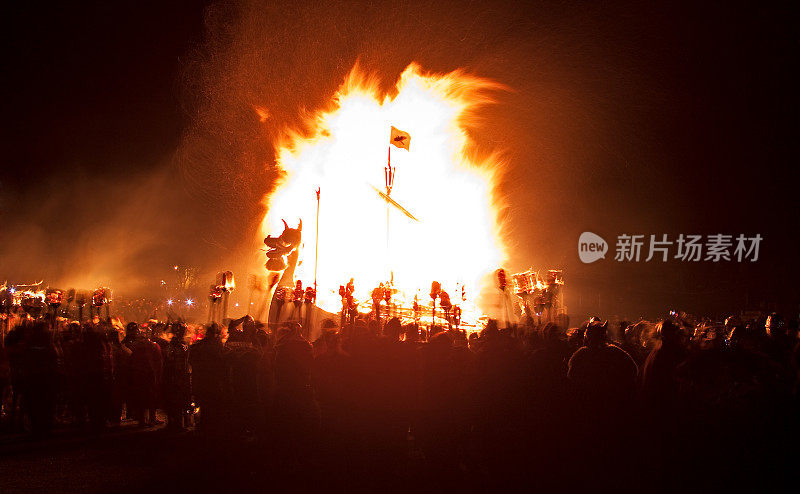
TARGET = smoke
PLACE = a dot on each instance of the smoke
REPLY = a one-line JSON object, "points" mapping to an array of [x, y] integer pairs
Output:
{"points": [[610, 107], [95, 231], [264, 69]]}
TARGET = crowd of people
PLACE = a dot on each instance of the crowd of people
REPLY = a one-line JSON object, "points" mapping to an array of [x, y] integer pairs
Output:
{"points": [[632, 401]]}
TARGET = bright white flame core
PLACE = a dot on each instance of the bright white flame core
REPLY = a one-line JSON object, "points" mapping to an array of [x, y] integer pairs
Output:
{"points": [[456, 241]]}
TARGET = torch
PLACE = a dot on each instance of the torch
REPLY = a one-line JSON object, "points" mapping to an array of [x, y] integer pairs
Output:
{"points": [[502, 282], [53, 298], [6, 300], [214, 296], [80, 302], [99, 299], [377, 296], [70, 299], [228, 285], [309, 298], [457, 316], [387, 297], [297, 299], [445, 304], [436, 288], [278, 300], [352, 305], [109, 299]]}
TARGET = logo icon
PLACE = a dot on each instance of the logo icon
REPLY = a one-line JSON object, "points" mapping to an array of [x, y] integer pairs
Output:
{"points": [[591, 247]]}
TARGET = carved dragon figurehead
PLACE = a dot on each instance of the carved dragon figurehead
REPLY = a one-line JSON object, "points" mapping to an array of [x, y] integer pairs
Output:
{"points": [[282, 255]]}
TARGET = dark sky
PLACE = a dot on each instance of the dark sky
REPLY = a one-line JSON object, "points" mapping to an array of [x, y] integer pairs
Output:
{"points": [[130, 141]]}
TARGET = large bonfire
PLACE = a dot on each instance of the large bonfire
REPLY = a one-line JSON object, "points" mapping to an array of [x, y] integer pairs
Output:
{"points": [[453, 236]]}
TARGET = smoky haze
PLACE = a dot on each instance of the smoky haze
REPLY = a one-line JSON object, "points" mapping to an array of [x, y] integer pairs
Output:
{"points": [[142, 135]]}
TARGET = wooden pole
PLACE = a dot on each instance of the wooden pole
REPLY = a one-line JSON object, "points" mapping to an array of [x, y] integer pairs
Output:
{"points": [[224, 306], [433, 318], [316, 244], [389, 178]]}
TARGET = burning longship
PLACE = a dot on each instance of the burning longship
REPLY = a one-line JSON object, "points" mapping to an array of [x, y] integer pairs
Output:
{"points": [[391, 195]]}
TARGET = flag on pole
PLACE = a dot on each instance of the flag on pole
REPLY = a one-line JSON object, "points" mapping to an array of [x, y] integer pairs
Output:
{"points": [[400, 139]]}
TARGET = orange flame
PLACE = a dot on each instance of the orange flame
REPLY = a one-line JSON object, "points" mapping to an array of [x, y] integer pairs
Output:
{"points": [[456, 240]]}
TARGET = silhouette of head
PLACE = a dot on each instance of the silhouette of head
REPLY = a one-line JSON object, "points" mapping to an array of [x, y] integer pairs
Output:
{"points": [[412, 332], [331, 339], [552, 333], [744, 337], [393, 328], [113, 336], [732, 322], [249, 326], [775, 326], [74, 328], [374, 327], [158, 329], [132, 329], [669, 331], [213, 331], [491, 330], [178, 331], [595, 336]]}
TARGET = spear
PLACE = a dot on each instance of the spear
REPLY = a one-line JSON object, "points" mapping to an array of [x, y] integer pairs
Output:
{"points": [[316, 244]]}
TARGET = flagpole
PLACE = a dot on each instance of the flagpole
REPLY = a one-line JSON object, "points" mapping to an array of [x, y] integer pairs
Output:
{"points": [[388, 177], [316, 244]]}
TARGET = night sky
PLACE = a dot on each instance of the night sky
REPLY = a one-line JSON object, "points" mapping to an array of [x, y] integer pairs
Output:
{"points": [[131, 144]]}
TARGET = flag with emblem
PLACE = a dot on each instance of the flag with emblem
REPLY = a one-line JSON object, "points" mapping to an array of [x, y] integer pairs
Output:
{"points": [[400, 139]]}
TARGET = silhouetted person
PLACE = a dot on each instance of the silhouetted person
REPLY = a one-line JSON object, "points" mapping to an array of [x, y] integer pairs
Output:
{"points": [[384, 374], [500, 388], [661, 394], [779, 344], [14, 347], [97, 375], [158, 335], [208, 359], [38, 383], [603, 378], [176, 378], [265, 372], [604, 374], [243, 359], [548, 379], [296, 414], [5, 378], [74, 370], [660, 384], [145, 377], [121, 356], [332, 378]]}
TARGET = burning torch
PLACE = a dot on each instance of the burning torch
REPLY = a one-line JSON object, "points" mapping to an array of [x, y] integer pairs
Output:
{"points": [[227, 283], [297, 298], [214, 297], [377, 296], [80, 302], [309, 298], [53, 298], [387, 297], [101, 297], [436, 288]]}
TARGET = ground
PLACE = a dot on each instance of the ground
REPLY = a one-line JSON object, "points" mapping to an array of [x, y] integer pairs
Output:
{"points": [[125, 459]]}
